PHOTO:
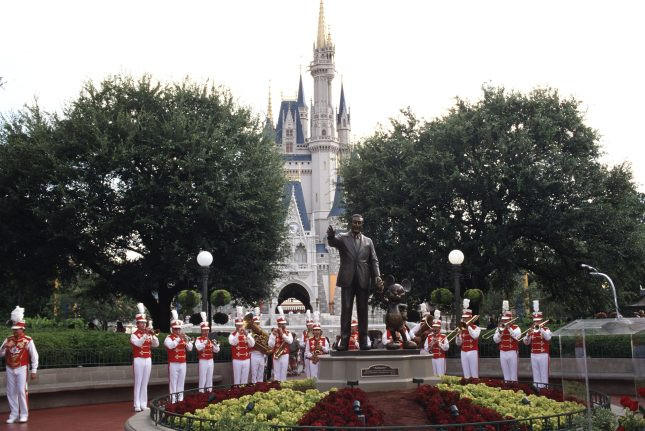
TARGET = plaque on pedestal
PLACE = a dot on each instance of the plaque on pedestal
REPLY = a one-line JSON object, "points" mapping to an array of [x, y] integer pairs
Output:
{"points": [[375, 370]]}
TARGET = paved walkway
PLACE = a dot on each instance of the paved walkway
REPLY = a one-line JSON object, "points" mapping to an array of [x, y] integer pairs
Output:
{"points": [[96, 417]]}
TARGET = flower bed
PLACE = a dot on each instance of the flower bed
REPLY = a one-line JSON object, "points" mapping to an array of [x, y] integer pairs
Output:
{"points": [[336, 409]]}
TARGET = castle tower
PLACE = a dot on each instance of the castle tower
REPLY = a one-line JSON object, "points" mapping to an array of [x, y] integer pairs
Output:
{"points": [[343, 124], [303, 110], [323, 144]]}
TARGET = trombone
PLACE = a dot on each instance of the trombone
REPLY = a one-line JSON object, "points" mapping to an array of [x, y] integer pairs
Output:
{"points": [[502, 326], [462, 325], [524, 334]]}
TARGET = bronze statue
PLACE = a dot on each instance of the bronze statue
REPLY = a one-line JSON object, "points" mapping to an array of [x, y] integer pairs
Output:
{"points": [[358, 266], [397, 313]]}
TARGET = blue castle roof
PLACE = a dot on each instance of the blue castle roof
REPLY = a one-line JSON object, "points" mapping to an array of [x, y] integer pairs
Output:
{"points": [[320, 248], [289, 107], [296, 188], [338, 207]]}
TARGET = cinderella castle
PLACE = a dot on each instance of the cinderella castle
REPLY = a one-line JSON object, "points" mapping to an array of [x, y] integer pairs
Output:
{"points": [[313, 140]]}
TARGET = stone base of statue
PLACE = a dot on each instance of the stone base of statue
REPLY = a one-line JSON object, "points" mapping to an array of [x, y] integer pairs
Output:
{"points": [[375, 370]]}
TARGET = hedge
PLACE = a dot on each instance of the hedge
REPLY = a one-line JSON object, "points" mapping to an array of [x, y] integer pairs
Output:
{"points": [[84, 348]]}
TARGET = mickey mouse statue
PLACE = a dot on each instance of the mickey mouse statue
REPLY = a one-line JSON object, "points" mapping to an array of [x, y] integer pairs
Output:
{"points": [[397, 313]]}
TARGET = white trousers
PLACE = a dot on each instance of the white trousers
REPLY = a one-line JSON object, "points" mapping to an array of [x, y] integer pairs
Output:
{"points": [[308, 368], [17, 392], [540, 366], [439, 366], [241, 371], [258, 362], [508, 360], [313, 369], [205, 374], [469, 363], [280, 367], [176, 378], [141, 368]]}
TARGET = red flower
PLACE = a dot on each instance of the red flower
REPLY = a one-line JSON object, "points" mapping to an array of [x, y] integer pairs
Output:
{"points": [[641, 392]]}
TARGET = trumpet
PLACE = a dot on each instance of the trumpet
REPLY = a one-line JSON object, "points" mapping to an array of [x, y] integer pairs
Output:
{"points": [[537, 327], [185, 337], [462, 326], [502, 326], [315, 357]]}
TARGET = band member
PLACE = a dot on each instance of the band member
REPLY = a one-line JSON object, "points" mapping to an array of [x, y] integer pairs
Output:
{"points": [[317, 345], [205, 349], [506, 336], [241, 342], [421, 330], [280, 340], [177, 344], [387, 337], [258, 358], [18, 350], [539, 338], [142, 340], [437, 345], [354, 336], [306, 335], [468, 339]]}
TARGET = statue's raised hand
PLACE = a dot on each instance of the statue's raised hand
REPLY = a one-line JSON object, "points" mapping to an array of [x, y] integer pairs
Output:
{"points": [[331, 232]]}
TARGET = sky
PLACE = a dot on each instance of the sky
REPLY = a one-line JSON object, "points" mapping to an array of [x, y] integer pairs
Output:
{"points": [[390, 55]]}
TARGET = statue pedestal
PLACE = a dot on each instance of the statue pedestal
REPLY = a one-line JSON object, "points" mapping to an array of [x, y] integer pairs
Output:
{"points": [[375, 370]]}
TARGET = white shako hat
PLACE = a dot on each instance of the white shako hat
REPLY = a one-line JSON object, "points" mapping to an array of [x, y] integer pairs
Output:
{"points": [[466, 312], [204, 323], [141, 315], [437, 319], [316, 321], [281, 318], [256, 314], [506, 311], [239, 315], [18, 318], [537, 314], [174, 320], [309, 320]]}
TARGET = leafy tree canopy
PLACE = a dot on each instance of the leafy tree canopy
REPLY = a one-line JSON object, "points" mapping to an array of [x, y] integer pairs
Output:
{"points": [[135, 178], [515, 182]]}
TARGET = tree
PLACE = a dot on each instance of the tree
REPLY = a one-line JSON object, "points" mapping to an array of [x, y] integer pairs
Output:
{"points": [[515, 182], [151, 173]]}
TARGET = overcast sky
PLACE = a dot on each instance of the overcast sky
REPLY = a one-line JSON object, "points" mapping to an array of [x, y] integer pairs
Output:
{"points": [[390, 54]]}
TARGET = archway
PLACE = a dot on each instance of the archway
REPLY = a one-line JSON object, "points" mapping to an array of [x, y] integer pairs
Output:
{"points": [[297, 291]]}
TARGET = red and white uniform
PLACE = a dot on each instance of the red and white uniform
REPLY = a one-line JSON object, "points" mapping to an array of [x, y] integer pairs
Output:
{"points": [[281, 364], [206, 349], [353, 341], [387, 338], [18, 352], [142, 343], [539, 341], [469, 342], [508, 350], [177, 349], [258, 364], [440, 346], [312, 344], [241, 353]]}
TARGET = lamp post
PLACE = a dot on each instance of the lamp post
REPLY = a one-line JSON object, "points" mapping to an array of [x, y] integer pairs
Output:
{"points": [[204, 259], [456, 258], [594, 271]]}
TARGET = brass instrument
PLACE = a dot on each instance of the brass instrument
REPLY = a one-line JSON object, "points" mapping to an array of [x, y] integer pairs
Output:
{"points": [[315, 356], [502, 326], [524, 334], [462, 326], [283, 348], [419, 336], [261, 337], [150, 330]]}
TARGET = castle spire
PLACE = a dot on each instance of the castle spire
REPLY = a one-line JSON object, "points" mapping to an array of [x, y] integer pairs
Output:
{"points": [[269, 107], [321, 41], [301, 93]]}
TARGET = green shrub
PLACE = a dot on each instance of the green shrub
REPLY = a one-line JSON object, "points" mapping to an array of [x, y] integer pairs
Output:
{"points": [[601, 420], [220, 297], [220, 318], [441, 296], [188, 299], [475, 295]]}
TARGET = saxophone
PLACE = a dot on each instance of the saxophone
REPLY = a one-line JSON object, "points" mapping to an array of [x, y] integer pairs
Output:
{"points": [[315, 357], [282, 349], [261, 337]]}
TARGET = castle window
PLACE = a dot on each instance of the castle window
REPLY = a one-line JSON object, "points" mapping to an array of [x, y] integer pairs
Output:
{"points": [[300, 255], [289, 145], [324, 132], [289, 132]]}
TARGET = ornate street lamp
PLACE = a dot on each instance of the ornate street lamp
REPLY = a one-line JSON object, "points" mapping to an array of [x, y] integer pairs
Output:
{"points": [[204, 259], [595, 272], [456, 258]]}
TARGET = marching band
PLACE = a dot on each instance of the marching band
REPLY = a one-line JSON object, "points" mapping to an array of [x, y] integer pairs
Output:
{"points": [[280, 341], [142, 340], [177, 345]]}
